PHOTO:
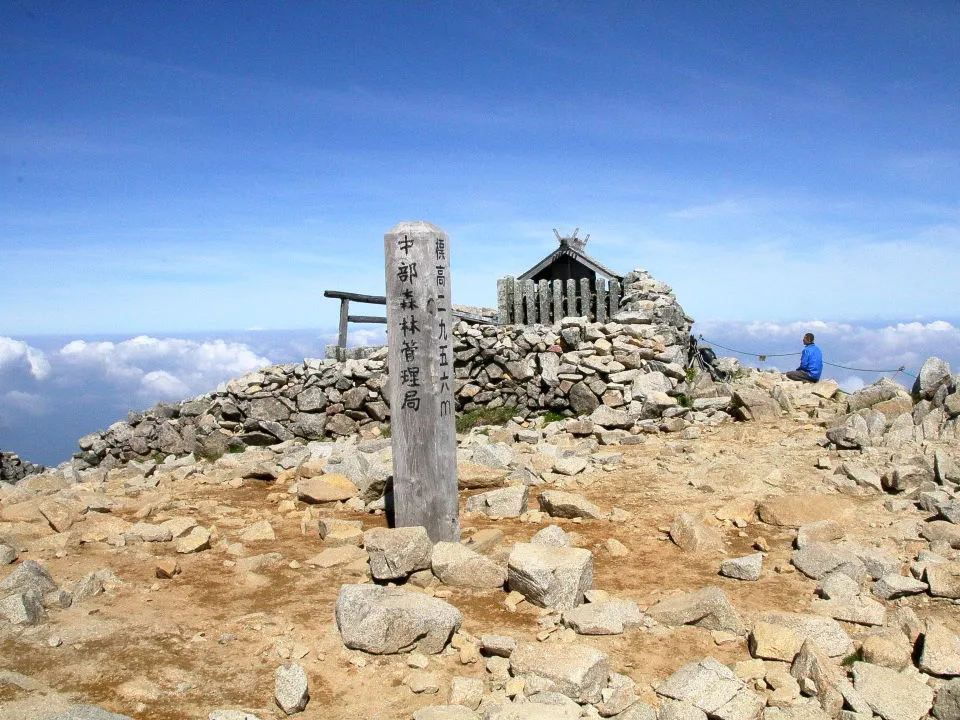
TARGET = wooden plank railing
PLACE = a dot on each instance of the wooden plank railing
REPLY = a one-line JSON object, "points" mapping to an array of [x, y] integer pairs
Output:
{"points": [[346, 318], [524, 302]]}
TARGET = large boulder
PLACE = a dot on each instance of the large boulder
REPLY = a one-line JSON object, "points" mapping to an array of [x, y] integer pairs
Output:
{"points": [[506, 502], [557, 503], [708, 608], [577, 671], [384, 620], [892, 695], [554, 577], [754, 404], [933, 374], [852, 434], [457, 565], [397, 552]]}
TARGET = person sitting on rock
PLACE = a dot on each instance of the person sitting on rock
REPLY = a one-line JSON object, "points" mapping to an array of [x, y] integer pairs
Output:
{"points": [[811, 362]]}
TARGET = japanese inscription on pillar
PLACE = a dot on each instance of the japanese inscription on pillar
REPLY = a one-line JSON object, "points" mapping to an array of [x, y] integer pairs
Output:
{"points": [[420, 337]]}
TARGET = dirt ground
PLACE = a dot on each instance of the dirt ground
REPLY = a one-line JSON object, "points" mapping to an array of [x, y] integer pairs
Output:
{"points": [[212, 637]]}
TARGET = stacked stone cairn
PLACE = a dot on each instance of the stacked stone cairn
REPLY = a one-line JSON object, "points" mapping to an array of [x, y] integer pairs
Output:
{"points": [[624, 376], [13, 468]]}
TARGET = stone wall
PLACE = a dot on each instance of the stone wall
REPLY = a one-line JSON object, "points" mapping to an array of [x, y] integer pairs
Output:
{"points": [[631, 363], [14, 469]]}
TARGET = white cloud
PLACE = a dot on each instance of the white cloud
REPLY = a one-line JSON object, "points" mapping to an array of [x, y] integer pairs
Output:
{"points": [[161, 384], [168, 368], [29, 403], [14, 353]]}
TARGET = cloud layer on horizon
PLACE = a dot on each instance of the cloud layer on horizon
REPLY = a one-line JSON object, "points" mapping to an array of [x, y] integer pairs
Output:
{"points": [[865, 352], [51, 395]]}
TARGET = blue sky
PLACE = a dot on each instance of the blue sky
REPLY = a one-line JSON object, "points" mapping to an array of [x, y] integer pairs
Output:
{"points": [[178, 168]]}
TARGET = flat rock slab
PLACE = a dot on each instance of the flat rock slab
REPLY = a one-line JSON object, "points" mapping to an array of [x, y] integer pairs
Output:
{"points": [[707, 608], [532, 711], [446, 712], [941, 651], [691, 535], [944, 579], [860, 610], [549, 576], [795, 510], [383, 620], [891, 695], [707, 685], [87, 712], [557, 503], [460, 566], [506, 502], [577, 671], [820, 531], [893, 586], [397, 552], [326, 488], [826, 633], [817, 559], [343, 555], [743, 568], [604, 618]]}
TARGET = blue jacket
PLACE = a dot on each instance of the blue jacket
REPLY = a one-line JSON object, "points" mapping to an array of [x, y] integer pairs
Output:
{"points": [[811, 361]]}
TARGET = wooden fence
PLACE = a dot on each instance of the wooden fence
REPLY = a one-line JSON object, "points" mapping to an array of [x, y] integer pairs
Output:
{"points": [[346, 318], [524, 302]]}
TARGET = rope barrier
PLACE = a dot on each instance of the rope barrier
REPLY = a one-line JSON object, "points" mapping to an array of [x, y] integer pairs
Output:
{"points": [[763, 357]]}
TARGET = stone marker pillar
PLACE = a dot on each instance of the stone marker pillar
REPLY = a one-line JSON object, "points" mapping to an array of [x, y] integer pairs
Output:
{"points": [[422, 418]]}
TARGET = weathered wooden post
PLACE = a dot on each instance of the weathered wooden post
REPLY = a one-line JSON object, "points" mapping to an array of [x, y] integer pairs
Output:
{"points": [[422, 420]]}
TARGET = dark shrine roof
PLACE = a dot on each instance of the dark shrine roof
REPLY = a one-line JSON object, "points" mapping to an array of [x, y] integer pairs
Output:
{"points": [[569, 251]]}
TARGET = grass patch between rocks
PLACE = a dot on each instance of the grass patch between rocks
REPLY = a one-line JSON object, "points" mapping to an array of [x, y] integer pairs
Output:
{"points": [[484, 416]]}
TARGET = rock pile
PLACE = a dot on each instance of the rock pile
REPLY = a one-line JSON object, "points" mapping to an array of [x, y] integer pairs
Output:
{"points": [[631, 367], [885, 415], [14, 469]]}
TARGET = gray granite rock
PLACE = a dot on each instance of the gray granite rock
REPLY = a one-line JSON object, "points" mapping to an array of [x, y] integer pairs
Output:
{"points": [[940, 654], [816, 559], [946, 706], [577, 671], [551, 535], [861, 610], [893, 586], [743, 568], [23, 607], [892, 695], [557, 503], [457, 565], [549, 576], [86, 712], [707, 685], [506, 502], [383, 620], [397, 552], [291, 690], [708, 608], [825, 632], [692, 535], [611, 617], [28, 575]]}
